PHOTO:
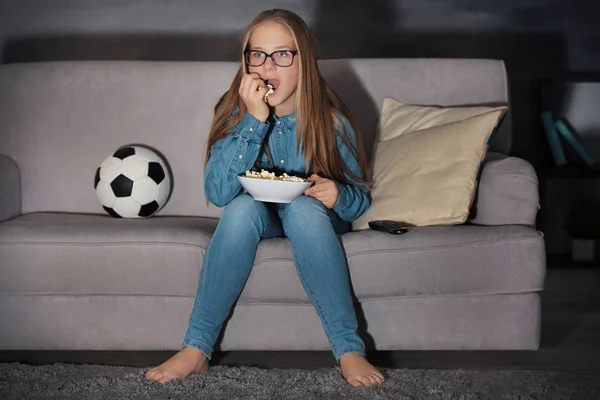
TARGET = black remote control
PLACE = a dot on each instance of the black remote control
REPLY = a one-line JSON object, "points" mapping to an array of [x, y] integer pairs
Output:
{"points": [[392, 227]]}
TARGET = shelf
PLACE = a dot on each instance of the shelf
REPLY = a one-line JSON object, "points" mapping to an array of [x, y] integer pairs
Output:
{"points": [[571, 172], [565, 261]]}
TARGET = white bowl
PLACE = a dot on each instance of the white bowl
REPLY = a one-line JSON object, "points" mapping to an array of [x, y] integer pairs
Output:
{"points": [[273, 191]]}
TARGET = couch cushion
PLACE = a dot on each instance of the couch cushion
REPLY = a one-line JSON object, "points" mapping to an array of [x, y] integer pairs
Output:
{"points": [[427, 176], [91, 254], [98, 106], [453, 260], [56, 253]]}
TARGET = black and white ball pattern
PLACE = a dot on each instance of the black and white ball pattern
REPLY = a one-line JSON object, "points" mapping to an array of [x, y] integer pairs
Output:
{"points": [[133, 182]]}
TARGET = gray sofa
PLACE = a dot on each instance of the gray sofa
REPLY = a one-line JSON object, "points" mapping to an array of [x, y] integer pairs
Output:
{"points": [[72, 277]]}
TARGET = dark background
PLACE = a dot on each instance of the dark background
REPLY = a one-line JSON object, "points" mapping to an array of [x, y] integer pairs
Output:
{"points": [[536, 38]]}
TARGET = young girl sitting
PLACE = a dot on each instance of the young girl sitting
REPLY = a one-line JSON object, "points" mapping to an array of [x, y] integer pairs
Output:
{"points": [[304, 129]]}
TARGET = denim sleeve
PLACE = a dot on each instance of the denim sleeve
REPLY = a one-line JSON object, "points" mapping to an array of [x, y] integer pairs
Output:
{"points": [[232, 156], [352, 200]]}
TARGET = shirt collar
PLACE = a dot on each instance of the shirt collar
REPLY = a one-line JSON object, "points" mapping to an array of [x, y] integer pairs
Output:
{"points": [[286, 120]]}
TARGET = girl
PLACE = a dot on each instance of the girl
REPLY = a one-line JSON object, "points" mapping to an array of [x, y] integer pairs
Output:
{"points": [[304, 129]]}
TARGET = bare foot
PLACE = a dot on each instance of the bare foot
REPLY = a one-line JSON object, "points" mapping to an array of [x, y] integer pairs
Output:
{"points": [[358, 371], [187, 361]]}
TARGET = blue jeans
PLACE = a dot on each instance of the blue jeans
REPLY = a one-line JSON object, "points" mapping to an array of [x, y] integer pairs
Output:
{"points": [[320, 263]]}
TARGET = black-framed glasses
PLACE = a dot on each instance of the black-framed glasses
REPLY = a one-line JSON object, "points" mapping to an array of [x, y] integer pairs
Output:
{"points": [[281, 58]]}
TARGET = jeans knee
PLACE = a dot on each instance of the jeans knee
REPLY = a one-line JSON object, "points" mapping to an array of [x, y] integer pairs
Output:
{"points": [[243, 211], [306, 206], [305, 212]]}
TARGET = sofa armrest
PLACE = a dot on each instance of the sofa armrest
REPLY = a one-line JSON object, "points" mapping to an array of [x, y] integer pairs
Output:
{"points": [[10, 189], [507, 192]]}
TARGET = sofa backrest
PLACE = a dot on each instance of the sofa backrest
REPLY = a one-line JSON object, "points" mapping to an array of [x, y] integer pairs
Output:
{"points": [[60, 120]]}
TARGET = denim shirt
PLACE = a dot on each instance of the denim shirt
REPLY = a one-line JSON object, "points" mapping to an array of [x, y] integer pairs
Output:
{"points": [[238, 152]]}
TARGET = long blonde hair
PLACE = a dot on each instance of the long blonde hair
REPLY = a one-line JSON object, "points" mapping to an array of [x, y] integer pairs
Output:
{"points": [[317, 105]]}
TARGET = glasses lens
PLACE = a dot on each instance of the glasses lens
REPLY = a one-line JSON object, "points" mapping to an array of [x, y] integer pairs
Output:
{"points": [[283, 58], [255, 58]]}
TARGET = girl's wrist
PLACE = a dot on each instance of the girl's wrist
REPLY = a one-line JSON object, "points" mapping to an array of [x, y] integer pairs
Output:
{"points": [[260, 116]]}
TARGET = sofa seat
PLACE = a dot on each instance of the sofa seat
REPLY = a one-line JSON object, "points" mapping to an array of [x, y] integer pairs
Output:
{"points": [[86, 254]]}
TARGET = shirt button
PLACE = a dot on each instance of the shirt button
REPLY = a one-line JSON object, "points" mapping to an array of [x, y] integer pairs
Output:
{"points": [[281, 161], [240, 156], [251, 129], [280, 132], [278, 122]]}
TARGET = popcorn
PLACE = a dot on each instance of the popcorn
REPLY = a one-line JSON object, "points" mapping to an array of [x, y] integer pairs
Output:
{"points": [[264, 174], [268, 92]]}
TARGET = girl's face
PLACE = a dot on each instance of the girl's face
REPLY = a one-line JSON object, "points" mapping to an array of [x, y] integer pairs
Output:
{"points": [[272, 37]]}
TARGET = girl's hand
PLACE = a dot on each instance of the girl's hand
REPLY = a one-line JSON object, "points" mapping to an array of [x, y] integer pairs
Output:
{"points": [[325, 190], [252, 91]]}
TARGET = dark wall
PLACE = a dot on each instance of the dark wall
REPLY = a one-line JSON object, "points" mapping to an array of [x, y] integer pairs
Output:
{"points": [[536, 38]]}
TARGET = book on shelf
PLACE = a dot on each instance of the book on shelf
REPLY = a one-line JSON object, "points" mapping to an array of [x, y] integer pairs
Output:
{"points": [[570, 136], [559, 131], [558, 152]]}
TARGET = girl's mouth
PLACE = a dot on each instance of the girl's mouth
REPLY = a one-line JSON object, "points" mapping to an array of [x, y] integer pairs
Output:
{"points": [[274, 83]]}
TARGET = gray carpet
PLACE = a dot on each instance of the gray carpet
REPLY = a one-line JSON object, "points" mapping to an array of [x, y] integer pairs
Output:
{"points": [[64, 381]]}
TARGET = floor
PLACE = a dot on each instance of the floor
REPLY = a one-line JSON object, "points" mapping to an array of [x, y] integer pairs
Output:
{"points": [[570, 339]]}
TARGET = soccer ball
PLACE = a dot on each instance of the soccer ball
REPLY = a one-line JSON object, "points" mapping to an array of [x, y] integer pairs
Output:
{"points": [[133, 182]]}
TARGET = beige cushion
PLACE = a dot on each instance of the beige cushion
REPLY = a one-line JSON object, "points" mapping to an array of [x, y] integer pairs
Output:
{"points": [[399, 118], [428, 176]]}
